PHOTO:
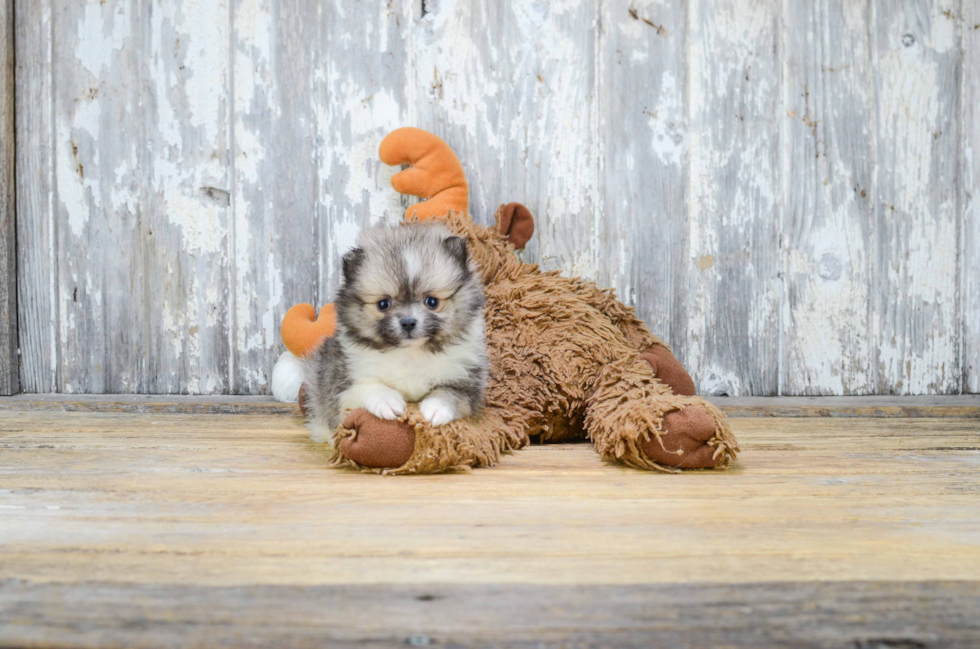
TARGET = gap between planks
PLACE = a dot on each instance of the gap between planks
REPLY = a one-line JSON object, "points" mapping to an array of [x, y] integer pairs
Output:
{"points": [[956, 407]]}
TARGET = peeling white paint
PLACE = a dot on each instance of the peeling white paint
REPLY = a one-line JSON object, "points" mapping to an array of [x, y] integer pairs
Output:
{"points": [[78, 190], [202, 230], [522, 113], [97, 45]]}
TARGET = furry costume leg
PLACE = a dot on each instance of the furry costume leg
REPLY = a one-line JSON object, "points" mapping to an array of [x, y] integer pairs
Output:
{"points": [[667, 432], [413, 445]]}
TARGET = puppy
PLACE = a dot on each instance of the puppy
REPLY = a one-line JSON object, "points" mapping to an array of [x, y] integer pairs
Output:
{"points": [[409, 328]]}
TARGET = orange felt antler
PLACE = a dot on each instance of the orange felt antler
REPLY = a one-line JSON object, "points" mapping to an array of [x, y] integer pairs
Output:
{"points": [[302, 330], [435, 173]]}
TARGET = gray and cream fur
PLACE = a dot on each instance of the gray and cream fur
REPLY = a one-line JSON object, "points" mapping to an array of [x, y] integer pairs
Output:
{"points": [[409, 328]]}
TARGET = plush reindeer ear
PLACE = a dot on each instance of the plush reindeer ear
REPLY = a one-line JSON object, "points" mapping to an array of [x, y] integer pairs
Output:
{"points": [[351, 263], [515, 222]]}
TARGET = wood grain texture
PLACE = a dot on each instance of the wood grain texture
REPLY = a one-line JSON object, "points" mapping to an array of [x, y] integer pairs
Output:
{"points": [[955, 407], [147, 517], [36, 224], [864, 615], [98, 199], [511, 87], [275, 179], [916, 286], [970, 196], [221, 500], [363, 90], [828, 198], [185, 175], [786, 191], [643, 251], [735, 290], [9, 361]]}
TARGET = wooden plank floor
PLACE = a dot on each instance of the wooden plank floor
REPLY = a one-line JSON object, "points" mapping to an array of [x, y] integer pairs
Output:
{"points": [[169, 529]]}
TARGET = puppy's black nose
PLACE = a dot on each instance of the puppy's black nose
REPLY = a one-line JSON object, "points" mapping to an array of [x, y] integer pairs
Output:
{"points": [[408, 324]]}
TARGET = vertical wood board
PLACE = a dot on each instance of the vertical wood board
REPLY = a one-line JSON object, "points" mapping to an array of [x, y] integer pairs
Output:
{"points": [[735, 290], [510, 86], [275, 200], [969, 206], [643, 130], [9, 363], [827, 153], [37, 260], [786, 191], [186, 184], [98, 202], [916, 274], [9, 370], [362, 92]]}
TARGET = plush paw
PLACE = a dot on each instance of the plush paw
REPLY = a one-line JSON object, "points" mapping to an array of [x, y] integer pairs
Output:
{"points": [[377, 443], [385, 403], [685, 437], [437, 411]]}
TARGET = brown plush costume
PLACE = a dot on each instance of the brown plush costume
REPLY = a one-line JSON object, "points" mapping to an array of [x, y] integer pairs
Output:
{"points": [[567, 359]]}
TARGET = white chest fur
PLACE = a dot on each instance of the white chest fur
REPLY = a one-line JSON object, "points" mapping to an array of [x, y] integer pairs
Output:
{"points": [[412, 371]]}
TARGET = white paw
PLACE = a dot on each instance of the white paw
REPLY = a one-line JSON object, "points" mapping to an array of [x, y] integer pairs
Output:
{"points": [[287, 378], [386, 404], [321, 434], [437, 411]]}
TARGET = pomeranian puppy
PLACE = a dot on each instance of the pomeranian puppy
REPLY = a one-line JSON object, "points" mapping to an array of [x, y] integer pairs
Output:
{"points": [[409, 328]]}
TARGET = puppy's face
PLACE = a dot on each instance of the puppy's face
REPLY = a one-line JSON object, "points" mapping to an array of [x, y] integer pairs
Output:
{"points": [[408, 286]]}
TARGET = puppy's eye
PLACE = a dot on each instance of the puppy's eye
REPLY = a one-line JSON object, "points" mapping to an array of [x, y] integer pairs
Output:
{"points": [[432, 302], [384, 304]]}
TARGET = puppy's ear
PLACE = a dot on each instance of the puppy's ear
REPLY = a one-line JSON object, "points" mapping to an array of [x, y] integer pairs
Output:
{"points": [[352, 263], [456, 247], [515, 222]]}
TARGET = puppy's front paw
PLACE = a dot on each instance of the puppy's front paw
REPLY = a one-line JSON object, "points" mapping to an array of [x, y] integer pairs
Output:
{"points": [[386, 404], [437, 411]]}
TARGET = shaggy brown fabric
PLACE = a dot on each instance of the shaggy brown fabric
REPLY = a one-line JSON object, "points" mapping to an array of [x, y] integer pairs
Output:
{"points": [[565, 363], [668, 369]]}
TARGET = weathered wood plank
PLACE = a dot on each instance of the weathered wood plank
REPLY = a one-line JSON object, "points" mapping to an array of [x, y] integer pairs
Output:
{"points": [[37, 260], [734, 247], [850, 614], [643, 247], [186, 178], [955, 407], [135, 275], [969, 160], [361, 86], [275, 196], [98, 206], [915, 284], [232, 500], [828, 198], [511, 87], [9, 362]]}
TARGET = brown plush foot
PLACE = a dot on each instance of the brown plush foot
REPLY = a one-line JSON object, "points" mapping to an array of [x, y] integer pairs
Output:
{"points": [[685, 430], [669, 370], [379, 443], [301, 399]]}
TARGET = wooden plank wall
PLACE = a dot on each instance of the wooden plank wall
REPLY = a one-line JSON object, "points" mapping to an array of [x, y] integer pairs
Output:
{"points": [[786, 190], [9, 370]]}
